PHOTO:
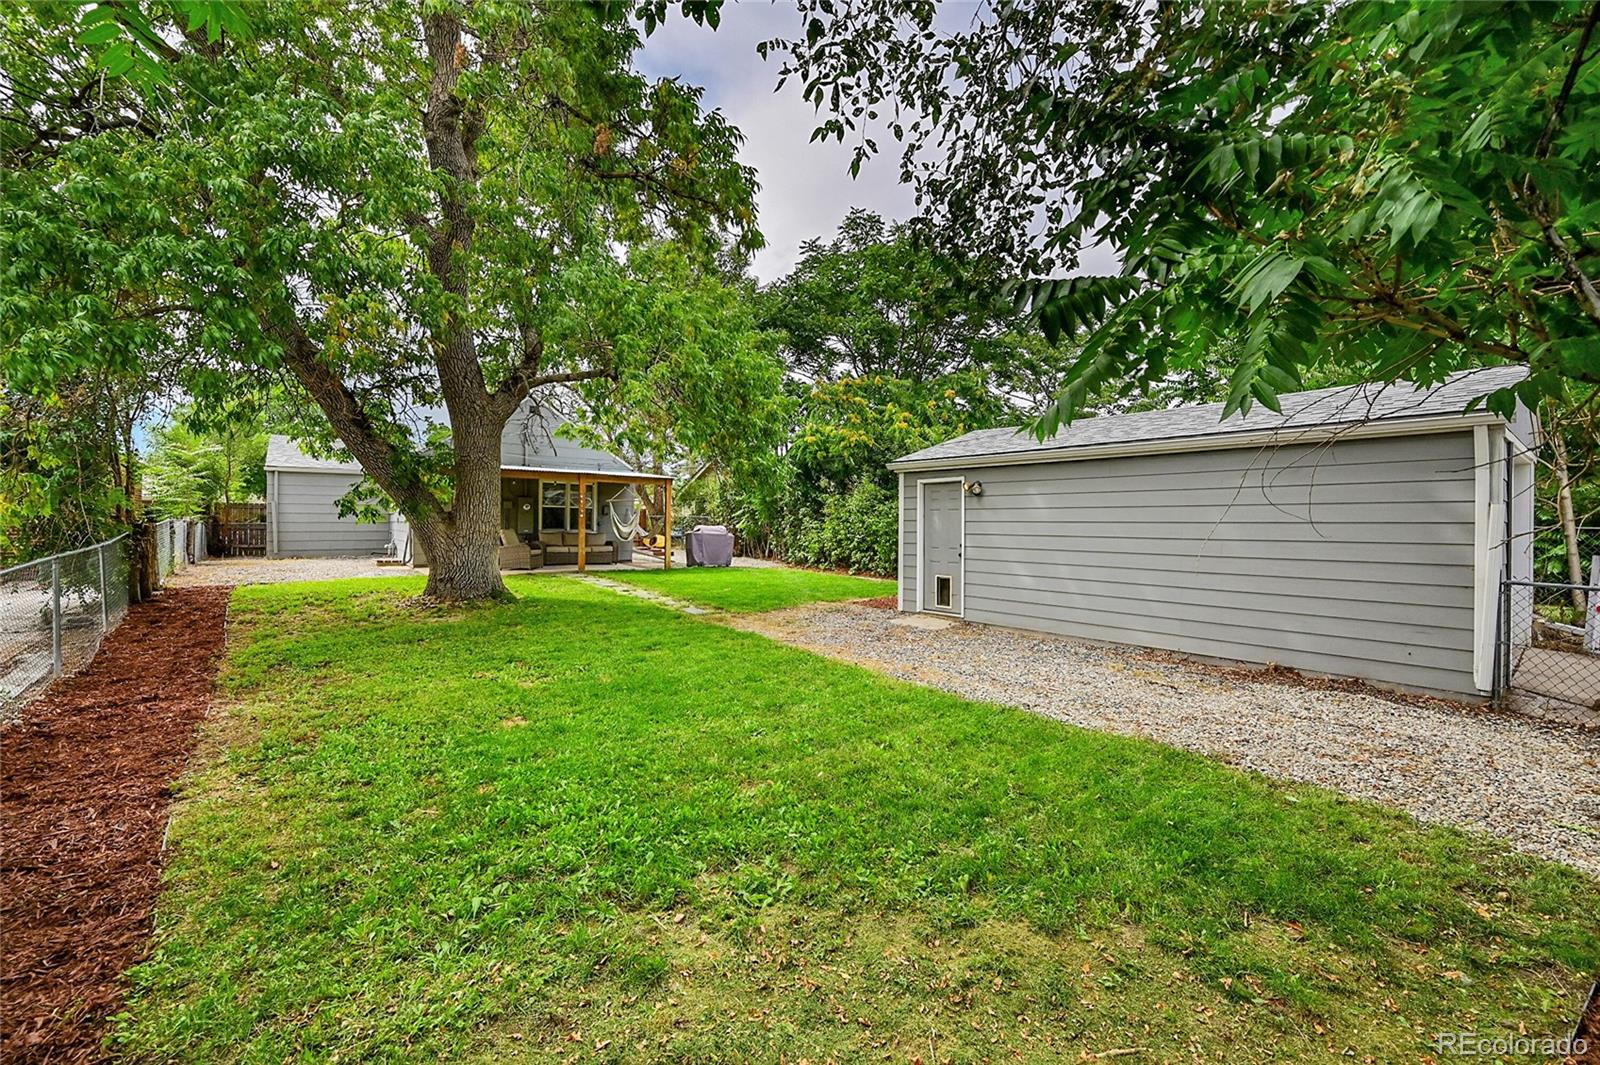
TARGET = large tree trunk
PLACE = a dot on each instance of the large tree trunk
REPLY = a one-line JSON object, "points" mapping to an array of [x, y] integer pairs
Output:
{"points": [[463, 560], [462, 541], [463, 544]]}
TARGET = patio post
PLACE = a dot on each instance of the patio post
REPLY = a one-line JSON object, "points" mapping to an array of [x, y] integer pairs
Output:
{"points": [[666, 528], [583, 523]]}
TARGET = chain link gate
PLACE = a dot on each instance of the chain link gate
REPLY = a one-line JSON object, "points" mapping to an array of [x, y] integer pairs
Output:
{"points": [[1548, 645]]}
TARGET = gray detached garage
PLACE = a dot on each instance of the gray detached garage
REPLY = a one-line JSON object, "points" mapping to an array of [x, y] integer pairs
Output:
{"points": [[1363, 532], [303, 506]]}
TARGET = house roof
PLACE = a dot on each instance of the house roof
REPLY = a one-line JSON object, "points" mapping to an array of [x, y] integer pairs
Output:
{"points": [[285, 454], [535, 441], [544, 454], [1376, 408]]}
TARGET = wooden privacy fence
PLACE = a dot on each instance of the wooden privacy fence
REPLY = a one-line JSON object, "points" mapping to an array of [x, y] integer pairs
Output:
{"points": [[239, 529]]}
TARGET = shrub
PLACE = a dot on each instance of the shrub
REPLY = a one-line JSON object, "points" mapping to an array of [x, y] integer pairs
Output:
{"points": [[855, 531]]}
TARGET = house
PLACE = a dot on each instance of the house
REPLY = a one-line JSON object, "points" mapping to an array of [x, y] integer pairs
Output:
{"points": [[1361, 533], [569, 503]]}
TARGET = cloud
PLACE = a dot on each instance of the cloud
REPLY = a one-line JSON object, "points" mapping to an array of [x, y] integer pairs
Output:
{"points": [[806, 188]]}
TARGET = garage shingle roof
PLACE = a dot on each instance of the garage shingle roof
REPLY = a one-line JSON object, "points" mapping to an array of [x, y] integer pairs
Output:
{"points": [[1322, 408], [284, 454]]}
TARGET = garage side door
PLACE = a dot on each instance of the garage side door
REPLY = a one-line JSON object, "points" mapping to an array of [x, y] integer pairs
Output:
{"points": [[941, 546]]}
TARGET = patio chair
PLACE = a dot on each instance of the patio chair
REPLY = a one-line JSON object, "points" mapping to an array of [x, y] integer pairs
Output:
{"points": [[514, 554]]}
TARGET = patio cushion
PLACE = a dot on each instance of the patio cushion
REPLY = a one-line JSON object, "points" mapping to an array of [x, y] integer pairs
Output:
{"points": [[563, 555]]}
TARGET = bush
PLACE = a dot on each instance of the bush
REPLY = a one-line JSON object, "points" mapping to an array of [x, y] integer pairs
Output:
{"points": [[855, 531]]}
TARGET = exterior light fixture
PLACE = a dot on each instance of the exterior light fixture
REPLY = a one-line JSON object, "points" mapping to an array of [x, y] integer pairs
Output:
{"points": [[975, 487]]}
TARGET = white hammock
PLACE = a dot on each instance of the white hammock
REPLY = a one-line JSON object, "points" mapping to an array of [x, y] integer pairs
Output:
{"points": [[625, 530]]}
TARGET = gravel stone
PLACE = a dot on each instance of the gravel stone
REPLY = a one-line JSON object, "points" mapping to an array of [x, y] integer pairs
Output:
{"points": [[279, 570], [1534, 785]]}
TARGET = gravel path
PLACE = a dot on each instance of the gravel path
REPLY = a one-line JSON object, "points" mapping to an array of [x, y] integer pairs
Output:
{"points": [[1535, 785], [278, 570]]}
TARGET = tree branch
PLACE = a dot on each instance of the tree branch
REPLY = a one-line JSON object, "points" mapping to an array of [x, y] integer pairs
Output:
{"points": [[571, 377], [1569, 265], [378, 457], [525, 376], [1542, 150]]}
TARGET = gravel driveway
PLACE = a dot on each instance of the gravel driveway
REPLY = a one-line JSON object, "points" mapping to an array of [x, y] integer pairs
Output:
{"points": [[1535, 785], [278, 570]]}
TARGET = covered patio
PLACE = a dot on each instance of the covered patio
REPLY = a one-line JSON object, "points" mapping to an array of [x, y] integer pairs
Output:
{"points": [[574, 517]]}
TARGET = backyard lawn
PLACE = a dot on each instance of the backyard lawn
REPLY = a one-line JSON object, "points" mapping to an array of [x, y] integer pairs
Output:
{"points": [[744, 589], [583, 827]]}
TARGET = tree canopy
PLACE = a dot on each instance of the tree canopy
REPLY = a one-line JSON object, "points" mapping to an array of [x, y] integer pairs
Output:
{"points": [[384, 210], [876, 299], [193, 467], [1357, 191]]}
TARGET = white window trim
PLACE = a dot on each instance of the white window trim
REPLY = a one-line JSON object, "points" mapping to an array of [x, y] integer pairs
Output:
{"points": [[569, 506], [922, 523]]}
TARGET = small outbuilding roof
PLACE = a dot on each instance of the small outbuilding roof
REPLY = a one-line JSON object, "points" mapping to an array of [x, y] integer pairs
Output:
{"points": [[1400, 406], [285, 454]]}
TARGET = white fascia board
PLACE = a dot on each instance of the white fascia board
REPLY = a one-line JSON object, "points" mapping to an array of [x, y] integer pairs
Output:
{"points": [[1220, 442], [900, 542], [619, 475], [354, 469]]}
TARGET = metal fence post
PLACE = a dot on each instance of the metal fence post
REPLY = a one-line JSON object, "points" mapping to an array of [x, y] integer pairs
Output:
{"points": [[55, 615], [105, 591], [1591, 608]]}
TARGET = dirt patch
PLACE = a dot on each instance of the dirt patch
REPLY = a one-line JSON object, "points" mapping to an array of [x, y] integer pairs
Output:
{"points": [[882, 602], [83, 810]]}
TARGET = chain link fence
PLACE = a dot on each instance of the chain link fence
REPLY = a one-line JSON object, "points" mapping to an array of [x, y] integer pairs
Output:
{"points": [[55, 611], [1549, 647]]}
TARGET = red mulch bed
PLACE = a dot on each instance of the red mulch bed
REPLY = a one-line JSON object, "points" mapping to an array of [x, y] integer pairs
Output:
{"points": [[83, 808], [882, 602]]}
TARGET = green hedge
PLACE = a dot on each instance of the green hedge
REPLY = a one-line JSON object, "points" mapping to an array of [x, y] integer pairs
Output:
{"points": [[854, 531]]}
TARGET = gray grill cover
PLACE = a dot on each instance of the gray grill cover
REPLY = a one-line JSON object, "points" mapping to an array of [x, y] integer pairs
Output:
{"points": [[709, 545]]}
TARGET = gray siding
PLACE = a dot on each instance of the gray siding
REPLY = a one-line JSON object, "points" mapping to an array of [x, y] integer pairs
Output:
{"points": [[528, 441], [1352, 558], [305, 514]]}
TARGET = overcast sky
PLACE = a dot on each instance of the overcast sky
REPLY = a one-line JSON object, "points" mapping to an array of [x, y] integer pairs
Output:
{"points": [[806, 188]]}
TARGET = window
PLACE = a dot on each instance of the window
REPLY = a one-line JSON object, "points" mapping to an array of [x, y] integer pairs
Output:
{"points": [[558, 506], [942, 585]]}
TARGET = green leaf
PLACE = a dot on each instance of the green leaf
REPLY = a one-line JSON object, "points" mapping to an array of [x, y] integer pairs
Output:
{"points": [[100, 33], [1265, 279]]}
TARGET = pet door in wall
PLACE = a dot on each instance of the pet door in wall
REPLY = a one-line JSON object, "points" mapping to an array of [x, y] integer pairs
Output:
{"points": [[941, 590]]}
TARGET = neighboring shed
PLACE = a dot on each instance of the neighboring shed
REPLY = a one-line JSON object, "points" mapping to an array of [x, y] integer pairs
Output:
{"points": [[1361, 533], [303, 506]]}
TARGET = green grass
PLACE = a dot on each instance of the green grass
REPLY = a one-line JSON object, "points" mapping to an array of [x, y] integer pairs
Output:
{"points": [[584, 827], [750, 589]]}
